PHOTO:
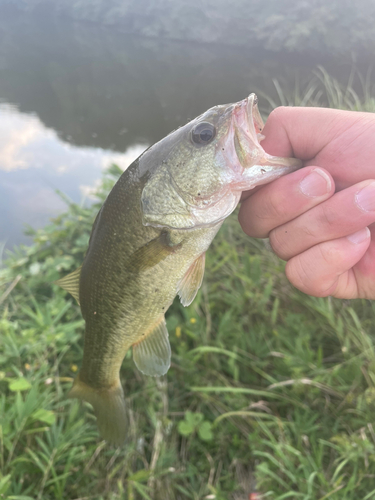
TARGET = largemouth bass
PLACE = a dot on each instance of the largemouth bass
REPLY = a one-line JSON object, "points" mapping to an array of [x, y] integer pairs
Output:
{"points": [[148, 244]]}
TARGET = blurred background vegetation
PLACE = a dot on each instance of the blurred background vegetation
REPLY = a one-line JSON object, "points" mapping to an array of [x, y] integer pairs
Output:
{"points": [[337, 26], [269, 390]]}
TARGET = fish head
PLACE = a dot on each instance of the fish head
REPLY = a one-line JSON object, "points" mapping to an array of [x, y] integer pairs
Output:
{"points": [[198, 172]]}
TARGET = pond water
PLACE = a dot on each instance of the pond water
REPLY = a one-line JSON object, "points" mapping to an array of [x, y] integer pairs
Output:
{"points": [[75, 97]]}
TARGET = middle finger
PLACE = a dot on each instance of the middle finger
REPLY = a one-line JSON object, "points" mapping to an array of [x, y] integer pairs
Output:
{"points": [[283, 199], [344, 213]]}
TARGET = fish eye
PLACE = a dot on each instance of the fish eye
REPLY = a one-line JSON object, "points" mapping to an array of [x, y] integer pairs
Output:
{"points": [[203, 133]]}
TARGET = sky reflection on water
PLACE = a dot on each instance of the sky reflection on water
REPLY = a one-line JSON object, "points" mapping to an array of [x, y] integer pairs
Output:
{"points": [[35, 162]]}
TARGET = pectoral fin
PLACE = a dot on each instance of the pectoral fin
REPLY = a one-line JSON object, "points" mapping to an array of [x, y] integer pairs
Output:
{"points": [[152, 355], [70, 283], [153, 252], [191, 282]]}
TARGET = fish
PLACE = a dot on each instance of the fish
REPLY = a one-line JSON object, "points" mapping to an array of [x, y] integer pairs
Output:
{"points": [[148, 244]]}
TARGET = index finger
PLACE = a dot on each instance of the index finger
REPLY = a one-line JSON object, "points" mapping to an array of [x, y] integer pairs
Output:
{"points": [[337, 140], [304, 132]]}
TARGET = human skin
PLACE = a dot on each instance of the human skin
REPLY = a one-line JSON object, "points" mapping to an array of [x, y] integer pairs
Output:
{"points": [[321, 218]]}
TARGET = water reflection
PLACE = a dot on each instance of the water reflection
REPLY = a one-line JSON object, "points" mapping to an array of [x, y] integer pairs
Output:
{"points": [[34, 162]]}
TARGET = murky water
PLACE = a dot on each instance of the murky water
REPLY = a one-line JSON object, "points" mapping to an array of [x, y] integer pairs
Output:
{"points": [[75, 98]]}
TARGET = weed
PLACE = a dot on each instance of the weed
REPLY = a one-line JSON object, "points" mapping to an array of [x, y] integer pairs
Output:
{"points": [[263, 379]]}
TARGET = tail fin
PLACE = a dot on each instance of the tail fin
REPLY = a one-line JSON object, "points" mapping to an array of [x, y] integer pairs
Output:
{"points": [[109, 408]]}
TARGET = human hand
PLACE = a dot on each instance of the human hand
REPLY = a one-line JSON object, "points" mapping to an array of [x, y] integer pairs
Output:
{"points": [[321, 217]]}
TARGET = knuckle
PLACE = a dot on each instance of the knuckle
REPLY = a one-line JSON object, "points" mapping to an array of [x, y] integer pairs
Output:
{"points": [[272, 208], [315, 273], [327, 255], [298, 274], [266, 215], [347, 287], [327, 216], [290, 239], [303, 275], [250, 223], [278, 243], [308, 233]]}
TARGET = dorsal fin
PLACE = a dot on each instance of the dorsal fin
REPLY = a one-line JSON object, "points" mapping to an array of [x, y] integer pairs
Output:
{"points": [[70, 283], [191, 282]]}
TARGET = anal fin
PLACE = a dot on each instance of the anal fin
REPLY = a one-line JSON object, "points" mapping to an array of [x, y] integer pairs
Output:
{"points": [[70, 283], [152, 355], [191, 282]]}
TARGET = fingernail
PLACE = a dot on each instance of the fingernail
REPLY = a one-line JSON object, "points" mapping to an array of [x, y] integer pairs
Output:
{"points": [[316, 183], [365, 198], [359, 236]]}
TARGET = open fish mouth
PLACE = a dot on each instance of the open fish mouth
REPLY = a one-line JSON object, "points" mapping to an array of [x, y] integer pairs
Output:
{"points": [[254, 117], [258, 167]]}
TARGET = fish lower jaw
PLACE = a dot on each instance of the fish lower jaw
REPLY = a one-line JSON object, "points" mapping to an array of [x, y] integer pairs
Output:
{"points": [[258, 175], [193, 227], [198, 217]]}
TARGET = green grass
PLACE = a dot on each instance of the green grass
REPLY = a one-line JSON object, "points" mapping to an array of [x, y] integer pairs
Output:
{"points": [[321, 89], [268, 387]]}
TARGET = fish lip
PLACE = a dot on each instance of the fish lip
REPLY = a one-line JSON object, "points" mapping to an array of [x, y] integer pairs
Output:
{"points": [[191, 228], [250, 105], [253, 115], [249, 163], [246, 111], [245, 132], [256, 125]]}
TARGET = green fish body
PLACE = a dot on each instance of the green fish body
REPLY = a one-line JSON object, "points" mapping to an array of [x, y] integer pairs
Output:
{"points": [[148, 244]]}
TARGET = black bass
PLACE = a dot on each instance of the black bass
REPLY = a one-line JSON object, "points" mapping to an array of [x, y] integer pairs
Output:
{"points": [[148, 244]]}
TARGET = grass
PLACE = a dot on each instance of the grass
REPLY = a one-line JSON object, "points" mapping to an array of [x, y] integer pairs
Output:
{"points": [[321, 89], [268, 389]]}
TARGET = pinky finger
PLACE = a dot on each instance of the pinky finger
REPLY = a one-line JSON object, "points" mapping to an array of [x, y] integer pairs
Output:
{"points": [[326, 269]]}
